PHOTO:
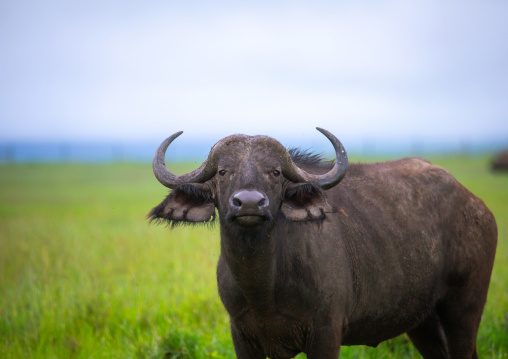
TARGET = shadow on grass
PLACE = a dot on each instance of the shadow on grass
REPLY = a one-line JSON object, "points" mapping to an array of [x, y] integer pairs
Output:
{"points": [[179, 345], [182, 344]]}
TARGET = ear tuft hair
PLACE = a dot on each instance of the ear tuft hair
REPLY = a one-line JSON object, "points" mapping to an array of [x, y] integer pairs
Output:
{"points": [[185, 204], [300, 194], [305, 202]]}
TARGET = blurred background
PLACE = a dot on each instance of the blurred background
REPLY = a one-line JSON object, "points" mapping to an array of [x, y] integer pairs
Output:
{"points": [[109, 80], [83, 275]]}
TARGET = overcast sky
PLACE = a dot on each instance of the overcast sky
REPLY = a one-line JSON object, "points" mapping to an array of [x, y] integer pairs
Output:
{"points": [[136, 70]]}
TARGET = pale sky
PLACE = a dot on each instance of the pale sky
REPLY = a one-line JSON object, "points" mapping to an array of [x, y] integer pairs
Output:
{"points": [[136, 70]]}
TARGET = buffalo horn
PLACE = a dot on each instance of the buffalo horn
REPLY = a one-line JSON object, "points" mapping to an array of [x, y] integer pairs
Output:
{"points": [[209, 167], [170, 180], [329, 179]]}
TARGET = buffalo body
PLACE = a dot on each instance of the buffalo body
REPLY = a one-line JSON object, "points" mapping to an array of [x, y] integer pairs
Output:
{"points": [[308, 265]]}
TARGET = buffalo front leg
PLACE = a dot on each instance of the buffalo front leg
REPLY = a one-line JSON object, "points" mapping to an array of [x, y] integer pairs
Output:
{"points": [[244, 348]]}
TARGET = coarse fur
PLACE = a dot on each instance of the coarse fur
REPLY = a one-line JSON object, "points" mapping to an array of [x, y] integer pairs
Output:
{"points": [[396, 247]]}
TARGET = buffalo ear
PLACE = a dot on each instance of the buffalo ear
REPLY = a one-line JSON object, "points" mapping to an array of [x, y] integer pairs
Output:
{"points": [[185, 204], [304, 202]]}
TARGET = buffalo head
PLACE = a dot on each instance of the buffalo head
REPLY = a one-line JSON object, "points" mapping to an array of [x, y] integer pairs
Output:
{"points": [[251, 180]]}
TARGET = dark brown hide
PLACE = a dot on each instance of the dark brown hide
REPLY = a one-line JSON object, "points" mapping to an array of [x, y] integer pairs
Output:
{"points": [[396, 247]]}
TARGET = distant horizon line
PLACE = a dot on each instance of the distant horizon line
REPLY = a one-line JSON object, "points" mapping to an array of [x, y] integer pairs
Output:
{"points": [[192, 149]]}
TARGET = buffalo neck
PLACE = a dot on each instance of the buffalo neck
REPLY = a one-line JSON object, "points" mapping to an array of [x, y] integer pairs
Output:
{"points": [[251, 260]]}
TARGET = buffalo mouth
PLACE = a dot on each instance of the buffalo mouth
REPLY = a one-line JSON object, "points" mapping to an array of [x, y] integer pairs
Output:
{"points": [[249, 220]]}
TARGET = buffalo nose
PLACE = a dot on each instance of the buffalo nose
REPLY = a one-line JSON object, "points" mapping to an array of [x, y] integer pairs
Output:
{"points": [[249, 200]]}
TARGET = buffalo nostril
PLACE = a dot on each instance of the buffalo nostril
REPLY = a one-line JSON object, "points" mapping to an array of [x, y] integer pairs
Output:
{"points": [[248, 200]]}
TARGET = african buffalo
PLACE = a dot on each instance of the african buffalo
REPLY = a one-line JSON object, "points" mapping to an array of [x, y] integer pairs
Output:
{"points": [[308, 265], [500, 161]]}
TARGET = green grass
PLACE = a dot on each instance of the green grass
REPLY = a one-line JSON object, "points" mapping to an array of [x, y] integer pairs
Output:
{"points": [[83, 275]]}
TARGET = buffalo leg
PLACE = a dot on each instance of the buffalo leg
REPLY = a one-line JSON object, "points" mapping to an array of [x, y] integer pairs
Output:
{"points": [[429, 339], [461, 331], [326, 345], [461, 318], [245, 349]]}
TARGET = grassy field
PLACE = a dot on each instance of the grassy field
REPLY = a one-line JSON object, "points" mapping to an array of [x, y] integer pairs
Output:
{"points": [[83, 275]]}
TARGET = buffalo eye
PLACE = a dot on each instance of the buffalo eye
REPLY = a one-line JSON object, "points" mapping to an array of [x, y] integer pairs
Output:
{"points": [[276, 173], [222, 172]]}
